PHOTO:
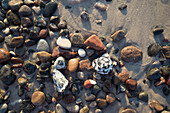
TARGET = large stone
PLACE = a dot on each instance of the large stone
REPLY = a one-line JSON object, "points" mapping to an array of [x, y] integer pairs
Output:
{"points": [[38, 98], [95, 43], [123, 75], [77, 39], [65, 53], [73, 64], [4, 55], [29, 67], [25, 10], [118, 35], [17, 41], [43, 56], [50, 8], [63, 42], [42, 46], [20, 51], [15, 4], [12, 18], [131, 54]]}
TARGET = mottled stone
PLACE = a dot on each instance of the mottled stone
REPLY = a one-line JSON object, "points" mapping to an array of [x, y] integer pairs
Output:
{"points": [[73, 64], [42, 46], [88, 83], [77, 39], [131, 84], [26, 22], [84, 15], [118, 35], [38, 98], [25, 10], [60, 63], [60, 109], [110, 98], [123, 75], [12, 18], [131, 54], [29, 67], [62, 24], [68, 98], [102, 103], [85, 65], [4, 55], [166, 51], [89, 97], [85, 109], [72, 108], [80, 75], [93, 104]]}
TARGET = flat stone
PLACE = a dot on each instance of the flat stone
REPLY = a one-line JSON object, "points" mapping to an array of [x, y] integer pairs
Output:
{"points": [[6, 74], [73, 64], [60, 109], [50, 8], [68, 98], [102, 103], [85, 109], [81, 52], [110, 98], [131, 54], [16, 60], [26, 22], [131, 84], [25, 10], [95, 43], [118, 35], [17, 41], [99, 5], [143, 96], [65, 53], [15, 4], [123, 75], [60, 63], [85, 65], [43, 56], [63, 43], [72, 108], [153, 49], [43, 33], [12, 18], [42, 45], [89, 97], [4, 55], [77, 40], [29, 67], [38, 98]]}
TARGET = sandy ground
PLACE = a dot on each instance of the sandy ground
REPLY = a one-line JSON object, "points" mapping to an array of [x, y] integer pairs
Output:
{"points": [[137, 20]]}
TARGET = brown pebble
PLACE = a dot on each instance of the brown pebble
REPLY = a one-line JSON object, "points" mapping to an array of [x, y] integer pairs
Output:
{"points": [[73, 64], [124, 75], [101, 102], [110, 98], [43, 33], [43, 56], [17, 41], [68, 98], [4, 55], [85, 65], [156, 105], [17, 65], [38, 98], [16, 60], [131, 84]]}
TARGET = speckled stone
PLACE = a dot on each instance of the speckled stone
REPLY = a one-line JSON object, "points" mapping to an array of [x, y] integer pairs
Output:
{"points": [[25, 10]]}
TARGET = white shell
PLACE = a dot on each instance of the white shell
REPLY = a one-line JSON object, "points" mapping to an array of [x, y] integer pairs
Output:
{"points": [[59, 80]]}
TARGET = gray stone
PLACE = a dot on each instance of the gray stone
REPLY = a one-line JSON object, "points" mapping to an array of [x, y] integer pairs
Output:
{"points": [[80, 75], [15, 4], [60, 63], [26, 22], [77, 40], [118, 35], [2, 25], [29, 67], [25, 10], [60, 109], [89, 97], [5, 4], [12, 18], [42, 45], [50, 8], [20, 51]]}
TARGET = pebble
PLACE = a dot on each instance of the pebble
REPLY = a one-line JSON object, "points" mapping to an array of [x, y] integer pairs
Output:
{"points": [[36, 10], [60, 109], [29, 42], [4, 55], [60, 63], [12, 18], [53, 27], [80, 75], [85, 65], [168, 81], [73, 65], [68, 98], [72, 108], [157, 31], [25, 10], [103, 64], [20, 51], [40, 21], [93, 104], [2, 25], [22, 81], [128, 110], [17, 41], [38, 98], [166, 51], [143, 96], [98, 111], [16, 60], [97, 76], [79, 101], [4, 4], [122, 6], [42, 45], [89, 51], [164, 71], [43, 33], [131, 94], [1, 38], [65, 53], [26, 22], [3, 108], [15, 4], [55, 19], [131, 54], [153, 74], [29, 67], [77, 40], [6, 74], [50, 8], [59, 80], [62, 24], [81, 52], [166, 90], [102, 103], [89, 97], [153, 49], [65, 45], [101, 6], [43, 56], [89, 83], [123, 75], [156, 105], [95, 43], [85, 109], [110, 98], [116, 80], [96, 89], [84, 15], [118, 35], [6, 31], [131, 84]]}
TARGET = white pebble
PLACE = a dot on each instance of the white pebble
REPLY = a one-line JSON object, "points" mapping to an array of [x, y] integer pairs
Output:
{"points": [[82, 52], [63, 43]]}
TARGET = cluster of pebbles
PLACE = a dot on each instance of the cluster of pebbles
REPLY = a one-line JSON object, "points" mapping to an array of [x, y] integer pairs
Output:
{"points": [[80, 68]]}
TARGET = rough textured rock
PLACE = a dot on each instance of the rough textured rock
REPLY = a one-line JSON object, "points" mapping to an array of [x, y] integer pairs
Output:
{"points": [[12, 18], [38, 98], [77, 40], [131, 54], [101, 102], [85, 65], [60, 63], [124, 75], [110, 98], [4, 55]]}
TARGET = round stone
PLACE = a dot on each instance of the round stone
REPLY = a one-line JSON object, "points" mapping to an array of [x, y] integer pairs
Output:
{"points": [[4, 55], [50, 8], [77, 39], [42, 46], [17, 41], [43, 56], [85, 109], [110, 98], [131, 84], [72, 108], [73, 64], [68, 98], [15, 4], [43, 33], [131, 54], [80, 75], [12, 18], [60, 63], [124, 75], [29, 67], [89, 97], [26, 22], [38, 98], [154, 49], [82, 52], [20, 51], [99, 5], [143, 96], [63, 43], [102, 103], [25, 10], [93, 104]]}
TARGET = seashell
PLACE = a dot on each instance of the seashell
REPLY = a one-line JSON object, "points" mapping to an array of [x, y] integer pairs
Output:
{"points": [[89, 83], [103, 64], [59, 80]]}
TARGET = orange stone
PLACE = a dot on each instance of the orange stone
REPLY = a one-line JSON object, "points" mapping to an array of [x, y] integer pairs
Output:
{"points": [[4, 55], [43, 56], [124, 75], [38, 98], [73, 64], [16, 60]]}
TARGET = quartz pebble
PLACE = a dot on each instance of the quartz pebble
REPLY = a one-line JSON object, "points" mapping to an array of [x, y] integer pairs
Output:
{"points": [[82, 52], [63, 43]]}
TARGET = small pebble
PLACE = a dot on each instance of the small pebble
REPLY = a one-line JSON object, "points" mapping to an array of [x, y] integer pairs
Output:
{"points": [[63, 43], [81, 52]]}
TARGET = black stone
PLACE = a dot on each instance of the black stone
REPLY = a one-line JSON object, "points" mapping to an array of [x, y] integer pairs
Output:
{"points": [[29, 67], [50, 8]]}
